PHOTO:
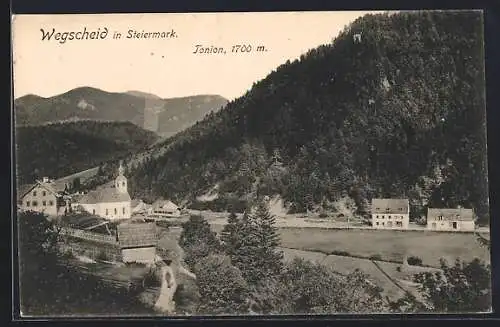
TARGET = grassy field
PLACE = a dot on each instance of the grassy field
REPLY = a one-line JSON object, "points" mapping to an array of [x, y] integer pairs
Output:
{"points": [[389, 245]]}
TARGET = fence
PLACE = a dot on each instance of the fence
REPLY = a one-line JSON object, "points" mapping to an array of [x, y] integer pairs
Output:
{"points": [[89, 236]]}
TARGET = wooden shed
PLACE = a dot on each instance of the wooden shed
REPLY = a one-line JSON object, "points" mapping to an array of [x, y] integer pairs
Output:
{"points": [[138, 242]]}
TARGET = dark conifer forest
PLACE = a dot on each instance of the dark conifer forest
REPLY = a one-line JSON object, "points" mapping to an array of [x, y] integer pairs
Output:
{"points": [[61, 149], [400, 112]]}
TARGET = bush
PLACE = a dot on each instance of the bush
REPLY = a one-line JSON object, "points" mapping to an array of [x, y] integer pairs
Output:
{"points": [[186, 297], [151, 279], [164, 224], [323, 215], [376, 257], [68, 254], [398, 268], [221, 285], [414, 261], [102, 256]]}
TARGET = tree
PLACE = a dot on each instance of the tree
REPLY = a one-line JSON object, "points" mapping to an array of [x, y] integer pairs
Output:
{"points": [[76, 184], [230, 235], [198, 240], [222, 288], [462, 287], [257, 255], [245, 254], [314, 288], [269, 257]]}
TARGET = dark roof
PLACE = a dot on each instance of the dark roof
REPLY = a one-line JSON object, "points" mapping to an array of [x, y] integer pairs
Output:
{"points": [[137, 235], [23, 189], [104, 194], [51, 187], [81, 221], [390, 206], [460, 214]]}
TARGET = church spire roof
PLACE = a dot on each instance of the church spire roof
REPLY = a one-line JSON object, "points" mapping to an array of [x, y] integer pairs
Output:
{"points": [[121, 170]]}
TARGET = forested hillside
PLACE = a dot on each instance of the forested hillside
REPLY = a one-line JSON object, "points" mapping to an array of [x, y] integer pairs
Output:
{"points": [[58, 150], [399, 112]]}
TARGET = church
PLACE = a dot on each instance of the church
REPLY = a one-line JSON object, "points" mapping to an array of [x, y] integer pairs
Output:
{"points": [[110, 202]]}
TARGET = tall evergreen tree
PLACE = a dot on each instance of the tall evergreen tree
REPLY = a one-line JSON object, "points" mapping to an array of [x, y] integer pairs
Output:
{"points": [[257, 255], [268, 256], [245, 254], [230, 235]]}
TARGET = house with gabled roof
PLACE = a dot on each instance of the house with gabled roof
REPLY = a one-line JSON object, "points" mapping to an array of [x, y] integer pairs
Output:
{"points": [[390, 213], [449, 219], [138, 242], [108, 201], [165, 209], [42, 196]]}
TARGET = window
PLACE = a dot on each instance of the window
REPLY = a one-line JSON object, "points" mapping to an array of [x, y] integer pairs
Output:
{"points": [[440, 218], [123, 210], [44, 203], [383, 224], [51, 203], [376, 223], [116, 212], [106, 212], [44, 193], [34, 203], [34, 193], [123, 184], [93, 211], [377, 216], [27, 203], [399, 223], [389, 217], [383, 216]]}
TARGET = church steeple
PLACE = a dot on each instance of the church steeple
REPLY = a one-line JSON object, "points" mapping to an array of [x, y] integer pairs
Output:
{"points": [[121, 170], [121, 180]]}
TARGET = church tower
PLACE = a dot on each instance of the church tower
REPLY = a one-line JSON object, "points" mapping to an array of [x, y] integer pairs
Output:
{"points": [[121, 180]]}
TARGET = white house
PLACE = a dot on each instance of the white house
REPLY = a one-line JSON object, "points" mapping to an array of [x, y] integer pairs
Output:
{"points": [[441, 219], [166, 209], [42, 196], [390, 213], [110, 202]]}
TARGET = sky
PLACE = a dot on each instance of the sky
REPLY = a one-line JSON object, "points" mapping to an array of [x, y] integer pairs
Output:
{"points": [[164, 67]]}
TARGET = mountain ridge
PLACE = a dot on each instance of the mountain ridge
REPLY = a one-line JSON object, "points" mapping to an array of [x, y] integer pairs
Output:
{"points": [[90, 103]]}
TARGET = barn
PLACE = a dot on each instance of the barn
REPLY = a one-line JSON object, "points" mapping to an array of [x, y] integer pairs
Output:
{"points": [[138, 242]]}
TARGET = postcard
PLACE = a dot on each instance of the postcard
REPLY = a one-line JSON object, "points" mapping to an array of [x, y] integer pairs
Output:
{"points": [[251, 164]]}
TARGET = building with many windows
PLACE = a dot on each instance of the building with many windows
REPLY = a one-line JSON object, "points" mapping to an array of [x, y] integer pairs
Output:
{"points": [[42, 196], [390, 213]]}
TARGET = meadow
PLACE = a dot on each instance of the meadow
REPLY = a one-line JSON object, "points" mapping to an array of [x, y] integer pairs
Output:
{"points": [[383, 244], [388, 245]]}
